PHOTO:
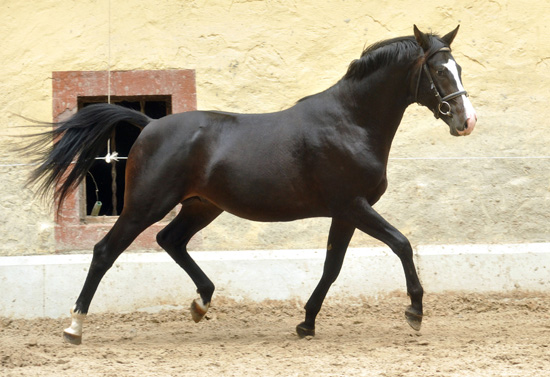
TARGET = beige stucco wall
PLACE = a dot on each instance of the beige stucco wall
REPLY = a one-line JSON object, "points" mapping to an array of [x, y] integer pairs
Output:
{"points": [[260, 56]]}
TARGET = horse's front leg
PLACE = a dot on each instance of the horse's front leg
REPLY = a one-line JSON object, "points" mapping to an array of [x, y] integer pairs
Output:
{"points": [[338, 240], [369, 221]]}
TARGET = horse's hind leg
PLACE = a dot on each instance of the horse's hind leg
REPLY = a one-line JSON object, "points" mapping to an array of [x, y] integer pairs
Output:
{"points": [[338, 240], [128, 226], [195, 214]]}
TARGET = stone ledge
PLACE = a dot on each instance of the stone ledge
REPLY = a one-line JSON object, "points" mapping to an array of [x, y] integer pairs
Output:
{"points": [[47, 286]]}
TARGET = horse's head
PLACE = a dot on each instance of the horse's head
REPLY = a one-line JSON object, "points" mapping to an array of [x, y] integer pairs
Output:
{"points": [[439, 85]]}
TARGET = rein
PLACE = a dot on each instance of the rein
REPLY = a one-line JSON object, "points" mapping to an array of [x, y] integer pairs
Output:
{"points": [[443, 106]]}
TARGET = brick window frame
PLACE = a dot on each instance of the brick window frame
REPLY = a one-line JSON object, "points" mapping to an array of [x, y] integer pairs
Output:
{"points": [[73, 230]]}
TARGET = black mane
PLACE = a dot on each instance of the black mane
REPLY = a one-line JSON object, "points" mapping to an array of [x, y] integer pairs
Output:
{"points": [[384, 53]]}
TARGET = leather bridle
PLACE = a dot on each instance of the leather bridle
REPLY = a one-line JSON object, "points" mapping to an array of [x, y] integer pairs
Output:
{"points": [[443, 106]]}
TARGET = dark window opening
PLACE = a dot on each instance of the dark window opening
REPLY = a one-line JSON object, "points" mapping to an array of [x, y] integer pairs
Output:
{"points": [[105, 182]]}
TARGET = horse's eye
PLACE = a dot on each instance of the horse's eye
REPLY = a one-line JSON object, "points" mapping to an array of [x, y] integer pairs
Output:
{"points": [[440, 71]]}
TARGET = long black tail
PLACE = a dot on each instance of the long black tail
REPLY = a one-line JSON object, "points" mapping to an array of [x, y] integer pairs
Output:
{"points": [[76, 142]]}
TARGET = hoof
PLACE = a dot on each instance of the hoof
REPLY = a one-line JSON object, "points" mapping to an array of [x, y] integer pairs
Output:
{"points": [[198, 309], [303, 330], [414, 318], [72, 338]]}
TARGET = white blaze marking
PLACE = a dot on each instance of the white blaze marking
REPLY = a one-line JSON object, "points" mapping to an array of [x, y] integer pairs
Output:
{"points": [[468, 107]]}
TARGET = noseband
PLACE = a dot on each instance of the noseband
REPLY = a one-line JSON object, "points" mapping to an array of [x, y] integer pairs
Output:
{"points": [[443, 106]]}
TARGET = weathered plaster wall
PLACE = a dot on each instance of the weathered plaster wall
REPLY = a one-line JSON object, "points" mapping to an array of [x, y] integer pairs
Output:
{"points": [[260, 56]]}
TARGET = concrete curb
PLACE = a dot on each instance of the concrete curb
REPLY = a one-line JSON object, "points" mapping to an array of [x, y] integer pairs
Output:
{"points": [[47, 286]]}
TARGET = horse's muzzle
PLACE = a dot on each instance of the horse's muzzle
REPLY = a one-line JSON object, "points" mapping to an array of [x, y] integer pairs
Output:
{"points": [[469, 126]]}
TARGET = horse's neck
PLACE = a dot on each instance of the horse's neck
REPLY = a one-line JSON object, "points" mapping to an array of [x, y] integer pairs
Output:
{"points": [[377, 103]]}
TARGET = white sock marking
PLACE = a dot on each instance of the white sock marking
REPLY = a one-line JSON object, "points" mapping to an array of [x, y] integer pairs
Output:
{"points": [[76, 324]]}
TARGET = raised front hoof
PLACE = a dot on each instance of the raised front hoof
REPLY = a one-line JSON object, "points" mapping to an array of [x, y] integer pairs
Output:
{"points": [[414, 318], [198, 310], [304, 330], [72, 338]]}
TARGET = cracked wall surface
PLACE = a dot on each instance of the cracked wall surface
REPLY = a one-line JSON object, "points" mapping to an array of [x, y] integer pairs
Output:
{"points": [[262, 56]]}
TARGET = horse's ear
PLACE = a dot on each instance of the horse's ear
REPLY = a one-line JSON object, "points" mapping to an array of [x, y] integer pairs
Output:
{"points": [[422, 39], [449, 38]]}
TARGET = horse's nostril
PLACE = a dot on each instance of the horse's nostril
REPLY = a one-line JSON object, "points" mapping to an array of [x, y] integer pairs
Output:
{"points": [[466, 125]]}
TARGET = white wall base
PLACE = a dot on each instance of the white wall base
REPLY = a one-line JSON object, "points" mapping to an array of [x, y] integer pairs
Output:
{"points": [[47, 286]]}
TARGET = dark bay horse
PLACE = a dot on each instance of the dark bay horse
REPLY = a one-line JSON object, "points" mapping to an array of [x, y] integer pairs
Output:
{"points": [[324, 157]]}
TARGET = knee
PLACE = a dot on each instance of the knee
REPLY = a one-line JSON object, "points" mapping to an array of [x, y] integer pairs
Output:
{"points": [[402, 247]]}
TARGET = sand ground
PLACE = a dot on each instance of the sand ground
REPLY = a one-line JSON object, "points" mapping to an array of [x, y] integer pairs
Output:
{"points": [[462, 335]]}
